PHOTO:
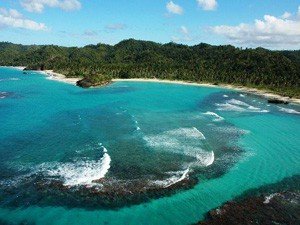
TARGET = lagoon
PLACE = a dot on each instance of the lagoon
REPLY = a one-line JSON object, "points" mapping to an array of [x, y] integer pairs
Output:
{"points": [[171, 152]]}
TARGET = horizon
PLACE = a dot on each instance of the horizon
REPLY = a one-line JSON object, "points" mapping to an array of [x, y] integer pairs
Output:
{"points": [[270, 24]]}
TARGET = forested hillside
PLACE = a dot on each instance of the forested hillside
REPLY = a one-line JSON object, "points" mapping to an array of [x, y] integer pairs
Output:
{"points": [[274, 70]]}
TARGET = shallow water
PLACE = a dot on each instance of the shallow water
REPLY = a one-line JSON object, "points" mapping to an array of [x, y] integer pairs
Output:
{"points": [[131, 136]]}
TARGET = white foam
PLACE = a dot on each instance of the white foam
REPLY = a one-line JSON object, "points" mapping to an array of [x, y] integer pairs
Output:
{"points": [[206, 159], [177, 177], [243, 96], [215, 115], [229, 107], [238, 102], [80, 172], [225, 96], [184, 141], [253, 108], [239, 106], [286, 110], [3, 94], [9, 79], [233, 130], [187, 132], [270, 197], [136, 125], [162, 140]]}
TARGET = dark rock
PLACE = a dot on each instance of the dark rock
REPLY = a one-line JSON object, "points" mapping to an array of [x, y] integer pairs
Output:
{"points": [[281, 208], [86, 83], [35, 67], [277, 101]]}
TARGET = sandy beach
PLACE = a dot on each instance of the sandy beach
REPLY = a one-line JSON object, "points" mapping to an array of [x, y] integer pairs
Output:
{"points": [[51, 75], [263, 93]]}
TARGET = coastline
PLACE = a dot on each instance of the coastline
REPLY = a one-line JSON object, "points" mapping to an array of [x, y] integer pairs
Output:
{"points": [[51, 75], [15, 67], [263, 93]]}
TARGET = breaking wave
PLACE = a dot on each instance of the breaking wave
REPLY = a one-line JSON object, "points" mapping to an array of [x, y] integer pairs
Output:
{"points": [[183, 141], [80, 172], [10, 79], [206, 159], [286, 110], [172, 138], [233, 130], [187, 132], [177, 177], [4, 94], [238, 102], [215, 115], [239, 106]]}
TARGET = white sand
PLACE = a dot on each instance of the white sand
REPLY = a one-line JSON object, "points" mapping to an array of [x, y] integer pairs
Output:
{"points": [[263, 93], [60, 77], [266, 94]]}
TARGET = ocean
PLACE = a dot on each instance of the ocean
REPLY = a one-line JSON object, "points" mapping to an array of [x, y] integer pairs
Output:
{"points": [[135, 152]]}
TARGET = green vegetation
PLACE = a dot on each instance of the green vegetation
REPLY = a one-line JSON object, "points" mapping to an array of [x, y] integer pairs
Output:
{"points": [[278, 71]]}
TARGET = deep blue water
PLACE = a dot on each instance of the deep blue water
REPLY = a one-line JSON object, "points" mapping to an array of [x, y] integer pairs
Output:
{"points": [[159, 153]]}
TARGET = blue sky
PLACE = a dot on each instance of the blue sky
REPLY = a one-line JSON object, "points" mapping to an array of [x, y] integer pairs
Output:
{"points": [[273, 24]]}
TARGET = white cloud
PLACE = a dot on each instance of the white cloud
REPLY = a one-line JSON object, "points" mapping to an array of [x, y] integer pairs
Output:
{"points": [[184, 30], [116, 26], [286, 15], [90, 33], [184, 35], [269, 32], [12, 18], [39, 5], [208, 4], [173, 8]]}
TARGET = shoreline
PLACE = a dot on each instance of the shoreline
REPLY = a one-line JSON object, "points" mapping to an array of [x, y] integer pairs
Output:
{"points": [[15, 67], [51, 75], [263, 93]]}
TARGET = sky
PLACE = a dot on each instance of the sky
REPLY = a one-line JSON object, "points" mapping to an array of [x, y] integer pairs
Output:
{"points": [[272, 24]]}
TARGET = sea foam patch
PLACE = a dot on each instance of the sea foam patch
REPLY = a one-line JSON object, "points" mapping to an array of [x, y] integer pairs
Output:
{"points": [[79, 172], [214, 115], [239, 106], [176, 177], [4, 94], [10, 79], [187, 132], [185, 141], [286, 110]]}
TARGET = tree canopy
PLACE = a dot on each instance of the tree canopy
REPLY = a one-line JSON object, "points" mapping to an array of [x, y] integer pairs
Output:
{"points": [[278, 71]]}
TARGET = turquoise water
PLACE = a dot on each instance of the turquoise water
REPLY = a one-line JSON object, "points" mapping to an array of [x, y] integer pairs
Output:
{"points": [[133, 136]]}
